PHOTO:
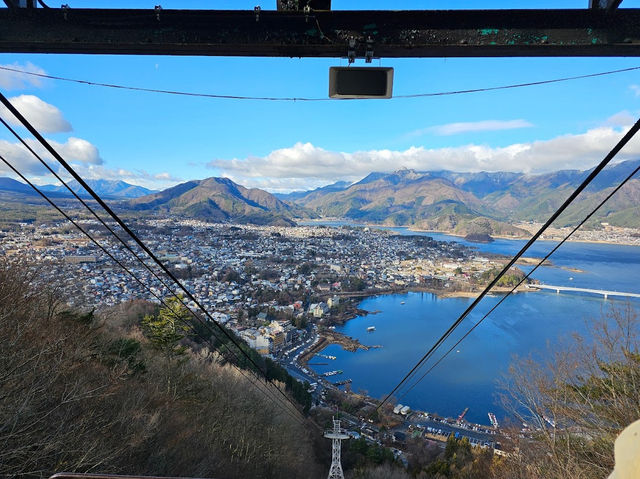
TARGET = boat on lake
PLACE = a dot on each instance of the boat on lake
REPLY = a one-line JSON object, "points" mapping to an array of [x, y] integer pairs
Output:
{"points": [[494, 421]]}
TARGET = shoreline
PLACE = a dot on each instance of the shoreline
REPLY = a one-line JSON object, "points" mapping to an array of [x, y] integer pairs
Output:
{"points": [[520, 238], [328, 337], [359, 297], [362, 295], [553, 237], [469, 294]]}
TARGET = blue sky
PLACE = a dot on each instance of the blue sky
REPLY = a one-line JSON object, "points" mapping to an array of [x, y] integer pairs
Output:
{"points": [[158, 140]]}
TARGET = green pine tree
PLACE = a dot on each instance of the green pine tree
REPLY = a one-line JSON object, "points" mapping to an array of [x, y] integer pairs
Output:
{"points": [[166, 329]]}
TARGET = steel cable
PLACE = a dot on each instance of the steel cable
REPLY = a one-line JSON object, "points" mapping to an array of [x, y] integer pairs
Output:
{"points": [[109, 211], [307, 99], [159, 298], [614, 151], [540, 263]]}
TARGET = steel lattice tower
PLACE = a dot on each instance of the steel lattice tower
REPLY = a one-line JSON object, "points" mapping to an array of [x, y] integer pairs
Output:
{"points": [[336, 435]]}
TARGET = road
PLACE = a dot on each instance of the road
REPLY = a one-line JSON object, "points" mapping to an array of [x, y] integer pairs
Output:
{"points": [[480, 435], [288, 359]]}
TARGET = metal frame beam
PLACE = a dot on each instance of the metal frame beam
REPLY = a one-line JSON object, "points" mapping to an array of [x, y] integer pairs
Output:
{"points": [[21, 3], [607, 5], [423, 33]]}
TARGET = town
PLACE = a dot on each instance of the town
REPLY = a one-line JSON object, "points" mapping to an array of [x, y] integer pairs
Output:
{"points": [[281, 289], [246, 273]]}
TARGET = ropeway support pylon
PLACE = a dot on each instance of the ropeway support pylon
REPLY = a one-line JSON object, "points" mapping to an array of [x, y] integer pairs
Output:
{"points": [[336, 435]]}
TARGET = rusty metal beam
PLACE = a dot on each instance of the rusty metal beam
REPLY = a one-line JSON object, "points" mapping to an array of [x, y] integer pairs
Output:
{"points": [[423, 33], [302, 4], [75, 475]]}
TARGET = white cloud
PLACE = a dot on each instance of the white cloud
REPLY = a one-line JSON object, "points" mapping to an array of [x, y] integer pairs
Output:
{"points": [[165, 176], [13, 80], [78, 150], [635, 89], [43, 116], [20, 158], [40, 176], [304, 165], [86, 161], [74, 150], [623, 118], [471, 127]]}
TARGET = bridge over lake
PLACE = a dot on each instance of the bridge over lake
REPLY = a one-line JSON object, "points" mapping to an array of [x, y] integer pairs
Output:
{"points": [[602, 292]]}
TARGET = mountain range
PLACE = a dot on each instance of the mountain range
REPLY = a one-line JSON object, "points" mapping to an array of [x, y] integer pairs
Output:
{"points": [[481, 202], [107, 188], [462, 203], [14, 186]]}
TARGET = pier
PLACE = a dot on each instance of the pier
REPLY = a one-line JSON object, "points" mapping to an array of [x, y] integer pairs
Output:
{"points": [[601, 292]]}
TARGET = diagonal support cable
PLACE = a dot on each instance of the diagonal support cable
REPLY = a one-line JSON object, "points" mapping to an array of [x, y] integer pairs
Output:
{"points": [[540, 263], [113, 215], [595, 172], [266, 391], [136, 239]]}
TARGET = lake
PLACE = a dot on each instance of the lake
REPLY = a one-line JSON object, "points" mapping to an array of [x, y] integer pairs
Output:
{"points": [[408, 324]]}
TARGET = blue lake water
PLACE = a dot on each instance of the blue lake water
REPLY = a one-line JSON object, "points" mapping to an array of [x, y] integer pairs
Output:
{"points": [[524, 323]]}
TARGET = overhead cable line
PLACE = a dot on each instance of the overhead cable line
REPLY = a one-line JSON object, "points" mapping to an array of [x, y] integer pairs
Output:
{"points": [[308, 99], [127, 270], [540, 263], [101, 202], [517, 85], [625, 139], [101, 220], [246, 374], [83, 202], [117, 219], [180, 299]]}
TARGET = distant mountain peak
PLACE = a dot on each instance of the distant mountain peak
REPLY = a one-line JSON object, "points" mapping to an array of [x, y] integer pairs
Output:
{"points": [[404, 171], [401, 175], [219, 199]]}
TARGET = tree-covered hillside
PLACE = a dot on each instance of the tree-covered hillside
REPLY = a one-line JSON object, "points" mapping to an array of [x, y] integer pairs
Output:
{"points": [[92, 393]]}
